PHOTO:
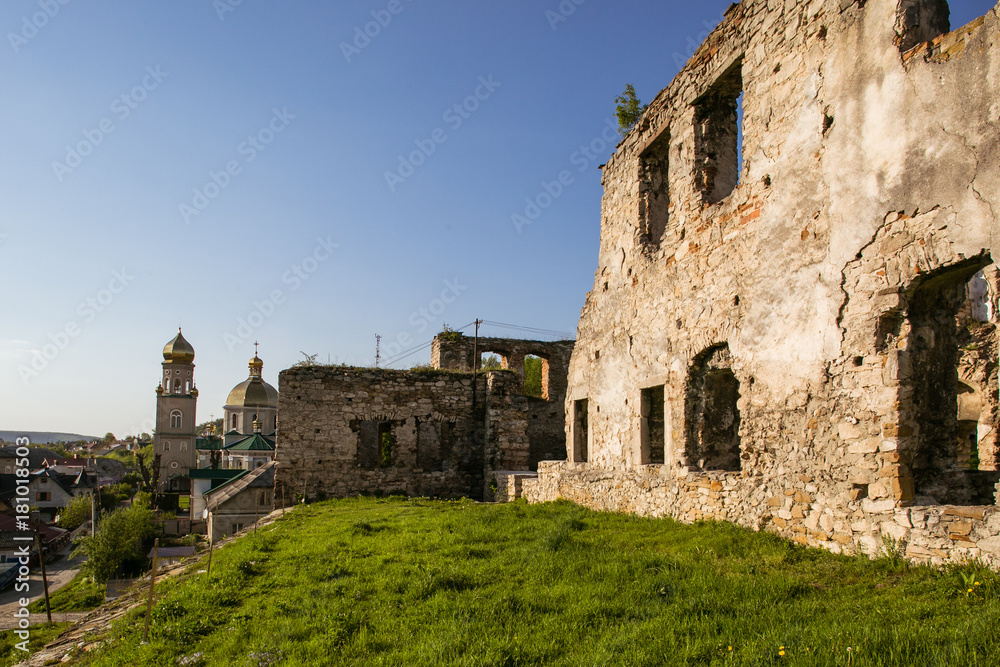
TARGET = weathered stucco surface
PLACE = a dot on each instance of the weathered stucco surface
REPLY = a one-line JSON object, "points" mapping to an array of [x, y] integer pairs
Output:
{"points": [[808, 326]]}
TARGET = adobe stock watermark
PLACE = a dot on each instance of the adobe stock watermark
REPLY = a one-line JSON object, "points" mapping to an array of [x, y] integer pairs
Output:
{"points": [[422, 318], [30, 25], [248, 150], [566, 9], [87, 311], [363, 35], [454, 116], [263, 309], [582, 158], [22, 542], [223, 7], [122, 107], [693, 43]]}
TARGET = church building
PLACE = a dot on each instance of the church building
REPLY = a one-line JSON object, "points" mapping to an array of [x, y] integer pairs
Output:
{"points": [[250, 420]]}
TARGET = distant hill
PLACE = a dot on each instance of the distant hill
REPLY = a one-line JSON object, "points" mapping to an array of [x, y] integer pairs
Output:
{"points": [[42, 438]]}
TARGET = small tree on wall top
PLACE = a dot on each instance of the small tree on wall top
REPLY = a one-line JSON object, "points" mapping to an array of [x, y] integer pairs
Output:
{"points": [[629, 109]]}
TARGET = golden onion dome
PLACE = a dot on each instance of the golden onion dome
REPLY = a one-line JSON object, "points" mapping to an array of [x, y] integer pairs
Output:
{"points": [[178, 351], [256, 362], [253, 393]]}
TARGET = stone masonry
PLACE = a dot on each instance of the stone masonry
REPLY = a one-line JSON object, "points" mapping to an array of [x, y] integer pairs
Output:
{"points": [[546, 414], [438, 432], [798, 334]]}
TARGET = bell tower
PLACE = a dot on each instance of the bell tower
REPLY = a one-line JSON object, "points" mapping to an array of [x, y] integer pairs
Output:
{"points": [[176, 400]]}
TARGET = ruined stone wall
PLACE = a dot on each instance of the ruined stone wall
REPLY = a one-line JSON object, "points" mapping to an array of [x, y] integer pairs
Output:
{"points": [[329, 419], [346, 431], [802, 325], [546, 415]]}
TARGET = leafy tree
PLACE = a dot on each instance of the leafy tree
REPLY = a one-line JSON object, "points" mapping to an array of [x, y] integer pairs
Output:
{"points": [[109, 437], [490, 363], [75, 513], [629, 109], [533, 377], [120, 545]]}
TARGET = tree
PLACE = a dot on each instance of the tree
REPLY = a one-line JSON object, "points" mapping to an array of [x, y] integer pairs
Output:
{"points": [[109, 437], [120, 545], [533, 377], [629, 109], [76, 513], [490, 363]]}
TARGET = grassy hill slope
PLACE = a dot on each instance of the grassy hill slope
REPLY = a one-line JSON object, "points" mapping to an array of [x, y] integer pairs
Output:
{"points": [[416, 582]]}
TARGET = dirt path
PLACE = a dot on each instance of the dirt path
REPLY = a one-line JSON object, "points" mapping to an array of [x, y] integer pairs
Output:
{"points": [[59, 574]]}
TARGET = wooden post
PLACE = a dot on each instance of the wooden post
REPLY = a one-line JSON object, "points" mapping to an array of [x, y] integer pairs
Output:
{"points": [[41, 563], [152, 583], [211, 544]]}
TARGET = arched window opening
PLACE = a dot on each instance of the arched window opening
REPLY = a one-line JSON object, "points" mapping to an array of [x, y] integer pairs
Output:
{"points": [[176, 419], [536, 377], [233, 420], [177, 385], [184, 446], [940, 416], [166, 446], [712, 412]]}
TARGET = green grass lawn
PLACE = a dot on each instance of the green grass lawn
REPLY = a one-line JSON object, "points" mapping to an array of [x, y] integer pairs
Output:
{"points": [[40, 636], [414, 582], [80, 594]]}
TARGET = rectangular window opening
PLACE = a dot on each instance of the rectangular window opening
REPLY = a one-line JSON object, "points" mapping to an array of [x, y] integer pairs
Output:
{"points": [[376, 443], [719, 136], [654, 190], [581, 430], [652, 431], [536, 377]]}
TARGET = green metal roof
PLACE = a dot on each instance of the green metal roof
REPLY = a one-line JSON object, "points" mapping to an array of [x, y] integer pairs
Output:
{"points": [[255, 443], [242, 473], [214, 473], [210, 443]]}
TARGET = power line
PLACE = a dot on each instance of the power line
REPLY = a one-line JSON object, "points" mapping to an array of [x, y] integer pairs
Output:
{"points": [[534, 330], [529, 329], [426, 345]]}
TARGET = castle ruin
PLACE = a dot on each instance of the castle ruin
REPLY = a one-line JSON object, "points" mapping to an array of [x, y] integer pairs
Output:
{"points": [[793, 324]]}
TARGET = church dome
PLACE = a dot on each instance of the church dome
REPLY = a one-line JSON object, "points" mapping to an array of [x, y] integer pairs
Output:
{"points": [[178, 351], [253, 393]]}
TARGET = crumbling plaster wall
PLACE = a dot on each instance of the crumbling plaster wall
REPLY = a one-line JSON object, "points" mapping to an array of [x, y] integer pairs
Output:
{"points": [[854, 152]]}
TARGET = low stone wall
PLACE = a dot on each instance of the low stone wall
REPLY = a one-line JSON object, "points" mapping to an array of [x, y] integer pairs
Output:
{"points": [[506, 486], [794, 508]]}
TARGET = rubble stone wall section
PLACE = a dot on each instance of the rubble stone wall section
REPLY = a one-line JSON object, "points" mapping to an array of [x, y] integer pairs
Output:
{"points": [[830, 276], [349, 431], [546, 415], [321, 412]]}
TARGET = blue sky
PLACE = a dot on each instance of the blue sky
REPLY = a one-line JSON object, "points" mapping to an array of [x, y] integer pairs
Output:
{"points": [[224, 165]]}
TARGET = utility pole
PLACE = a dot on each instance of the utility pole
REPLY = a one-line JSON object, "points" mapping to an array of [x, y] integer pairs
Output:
{"points": [[378, 350], [93, 510], [41, 563], [152, 584], [475, 363]]}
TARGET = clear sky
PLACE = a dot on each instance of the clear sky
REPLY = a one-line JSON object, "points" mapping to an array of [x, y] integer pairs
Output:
{"points": [[264, 170]]}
